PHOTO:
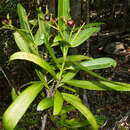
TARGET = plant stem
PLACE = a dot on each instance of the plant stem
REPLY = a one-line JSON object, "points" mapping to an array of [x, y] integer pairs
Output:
{"points": [[5, 76], [44, 120], [63, 64]]}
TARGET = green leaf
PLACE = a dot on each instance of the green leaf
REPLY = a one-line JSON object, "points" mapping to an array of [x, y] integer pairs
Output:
{"points": [[90, 25], [93, 24], [82, 108], [23, 19], [100, 119], [63, 11], [76, 98], [68, 76], [41, 77], [98, 63], [99, 85], [81, 36], [38, 38], [58, 103], [75, 123], [73, 58], [30, 121], [24, 43], [57, 38], [17, 109], [45, 104], [44, 29], [35, 59], [13, 94], [66, 109], [21, 42], [69, 88]]}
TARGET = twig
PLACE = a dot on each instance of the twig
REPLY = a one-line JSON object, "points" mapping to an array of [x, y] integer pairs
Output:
{"points": [[5, 76], [44, 119]]}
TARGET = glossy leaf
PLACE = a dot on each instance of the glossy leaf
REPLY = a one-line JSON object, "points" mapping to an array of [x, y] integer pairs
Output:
{"points": [[82, 108], [99, 85], [98, 63], [76, 98], [90, 72], [63, 11], [44, 28], [41, 77], [24, 43], [69, 76], [17, 109], [45, 104], [80, 37], [58, 103], [13, 94], [23, 19], [57, 38], [38, 38], [35, 59], [21, 42], [73, 58], [69, 88]]}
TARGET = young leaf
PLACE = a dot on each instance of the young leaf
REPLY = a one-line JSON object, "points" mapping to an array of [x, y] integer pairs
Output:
{"points": [[35, 59], [23, 19], [13, 94], [21, 42], [20, 105], [57, 38], [69, 76], [38, 38], [80, 37], [82, 108], [58, 103], [24, 43], [99, 85], [63, 11], [73, 58], [45, 104]]}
